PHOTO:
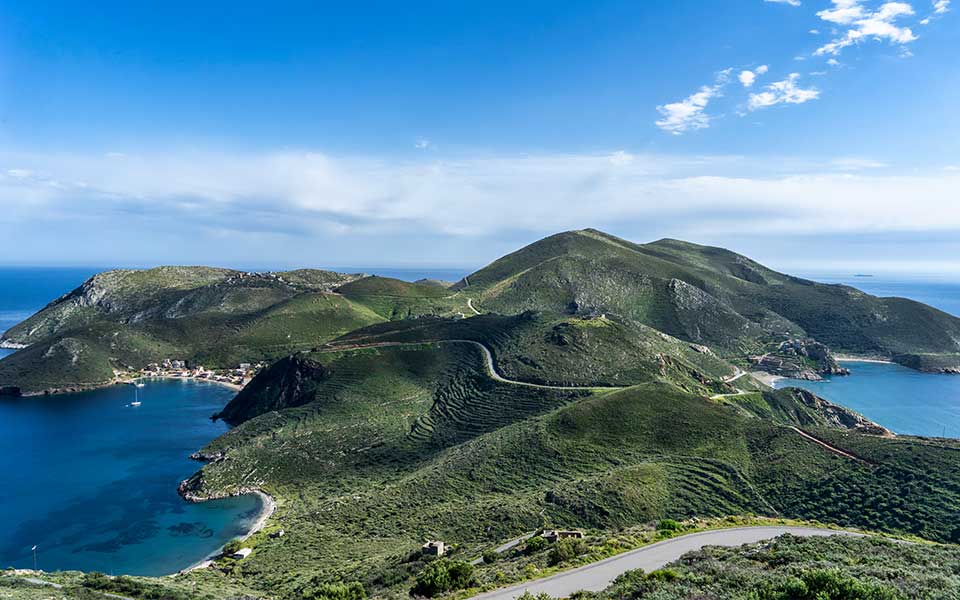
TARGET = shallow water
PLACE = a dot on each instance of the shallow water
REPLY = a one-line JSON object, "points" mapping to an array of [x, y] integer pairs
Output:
{"points": [[93, 481], [900, 399]]}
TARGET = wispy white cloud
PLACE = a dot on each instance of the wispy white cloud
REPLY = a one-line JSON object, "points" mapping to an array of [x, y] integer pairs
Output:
{"points": [[790, 2], [941, 6], [863, 24], [782, 92], [309, 194], [422, 144], [690, 113]]}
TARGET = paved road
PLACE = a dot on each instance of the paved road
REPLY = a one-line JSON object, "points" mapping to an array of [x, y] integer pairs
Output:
{"points": [[599, 575], [470, 305], [506, 546], [488, 362]]}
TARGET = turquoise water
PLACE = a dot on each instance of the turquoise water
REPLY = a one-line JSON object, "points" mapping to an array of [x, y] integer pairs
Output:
{"points": [[900, 399], [93, 481]]}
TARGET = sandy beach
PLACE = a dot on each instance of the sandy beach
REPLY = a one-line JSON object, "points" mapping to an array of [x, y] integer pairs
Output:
{"points": [[867, 359], [232, 386], [766, 378], [269, 507]]}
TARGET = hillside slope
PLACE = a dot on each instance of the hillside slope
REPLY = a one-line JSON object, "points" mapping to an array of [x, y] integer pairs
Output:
{"points": [[388, 446], [123, 320], [710, 296]]}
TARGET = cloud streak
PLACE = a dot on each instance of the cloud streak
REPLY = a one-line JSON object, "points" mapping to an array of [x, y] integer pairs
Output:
{"points": [[313, 194], [690, 113]]}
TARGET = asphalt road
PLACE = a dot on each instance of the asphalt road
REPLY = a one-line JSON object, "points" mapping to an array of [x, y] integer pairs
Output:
{"points": [[599, 575]]}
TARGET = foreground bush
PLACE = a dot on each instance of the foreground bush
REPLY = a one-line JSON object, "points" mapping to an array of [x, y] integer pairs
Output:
{"points": [[441, 576]]}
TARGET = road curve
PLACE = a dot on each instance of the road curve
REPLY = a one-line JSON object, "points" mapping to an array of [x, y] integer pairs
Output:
{"points": [[489, 364], [599, 575]]}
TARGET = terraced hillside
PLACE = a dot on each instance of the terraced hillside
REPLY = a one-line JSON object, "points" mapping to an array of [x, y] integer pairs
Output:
{"points": [[383, 447]]}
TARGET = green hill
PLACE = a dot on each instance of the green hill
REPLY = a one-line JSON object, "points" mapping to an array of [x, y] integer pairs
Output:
{"points": [[218, 318], [384, 447], [599, 387], [710, 296]]}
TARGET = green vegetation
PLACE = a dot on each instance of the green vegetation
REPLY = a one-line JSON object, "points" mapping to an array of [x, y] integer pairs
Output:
{"points": [[443, 575], [378, 424], [792, 568], [124, 320], [389, 446], [707, 295]]}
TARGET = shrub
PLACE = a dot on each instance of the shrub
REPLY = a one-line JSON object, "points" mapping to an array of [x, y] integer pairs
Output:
{"points": [[831, 584], [566, 550], [540, 596], [534, 545], [666, 575], [669, 525], [231, 547], [336, 591], [441, 576], [490, 557]]}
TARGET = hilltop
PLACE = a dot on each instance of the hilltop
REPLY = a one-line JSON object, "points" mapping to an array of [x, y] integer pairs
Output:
{"points": [[120, 321], [711, 296]]}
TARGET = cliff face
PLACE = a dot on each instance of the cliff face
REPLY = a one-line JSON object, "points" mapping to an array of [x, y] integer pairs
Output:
{"points": [[802, 358], [288, 383]]}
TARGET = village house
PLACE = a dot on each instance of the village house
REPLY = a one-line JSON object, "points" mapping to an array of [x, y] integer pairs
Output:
{"points": [[434, 549], [242, 553], [552, 535]]}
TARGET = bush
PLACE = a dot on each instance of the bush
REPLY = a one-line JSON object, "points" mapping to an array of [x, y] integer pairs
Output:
{"points": [[231, 547], [534, 545], [490, 557], [669, 525], [663, 575], [831, 584], [566, 550], [443, 575], [336, 591], [540, 596]]}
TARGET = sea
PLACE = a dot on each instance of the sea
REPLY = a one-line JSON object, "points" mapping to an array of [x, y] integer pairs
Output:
{"points": [[91, 481]]}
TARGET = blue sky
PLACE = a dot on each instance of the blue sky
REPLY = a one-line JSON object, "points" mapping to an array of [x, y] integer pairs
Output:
{"points": [[804, 132]]}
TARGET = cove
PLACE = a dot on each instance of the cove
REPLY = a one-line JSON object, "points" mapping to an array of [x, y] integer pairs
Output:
{"points": [[92, 481], [901, 399]]}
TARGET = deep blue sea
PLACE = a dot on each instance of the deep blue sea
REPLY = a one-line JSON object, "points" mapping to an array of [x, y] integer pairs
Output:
{"points": [[92, 481]]}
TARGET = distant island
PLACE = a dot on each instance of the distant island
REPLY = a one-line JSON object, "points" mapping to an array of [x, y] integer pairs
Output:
{"points": [[580, 397]]}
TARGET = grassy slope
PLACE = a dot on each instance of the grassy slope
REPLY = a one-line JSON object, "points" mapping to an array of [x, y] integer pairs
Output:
{"points": [[558, 349], [213, 317], [711, 296], [404, 444]]}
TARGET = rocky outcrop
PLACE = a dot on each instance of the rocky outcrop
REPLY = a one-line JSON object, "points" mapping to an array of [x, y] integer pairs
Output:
{"points": [[800, 358], [840, 416], [287, 383]]}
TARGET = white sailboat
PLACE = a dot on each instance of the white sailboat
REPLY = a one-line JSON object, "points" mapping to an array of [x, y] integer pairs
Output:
{"points": [[136, 396]]}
